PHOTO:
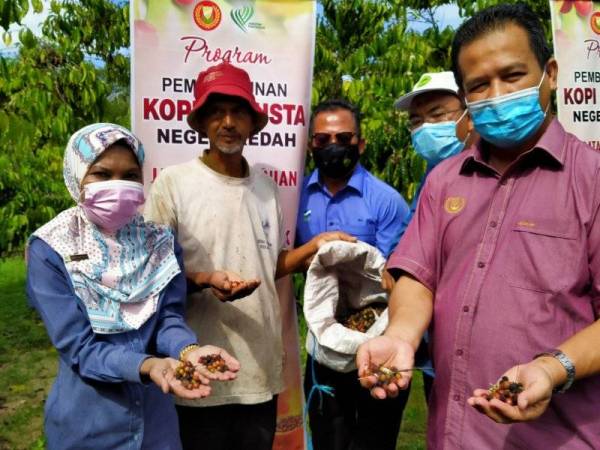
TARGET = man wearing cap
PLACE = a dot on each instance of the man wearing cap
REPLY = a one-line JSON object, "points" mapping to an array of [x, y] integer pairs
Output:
{"points": [[226, 215], [440, 127], [341, 195]]}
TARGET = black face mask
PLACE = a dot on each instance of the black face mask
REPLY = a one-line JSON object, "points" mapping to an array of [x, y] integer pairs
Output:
{"points": [[336, 161]]}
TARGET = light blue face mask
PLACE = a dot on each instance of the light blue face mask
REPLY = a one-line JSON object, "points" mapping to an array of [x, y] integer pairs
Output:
{"points": [[508, 120], [437, 141]]}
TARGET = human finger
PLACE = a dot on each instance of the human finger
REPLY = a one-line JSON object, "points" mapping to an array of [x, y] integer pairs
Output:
{"points": [[232, 364], [221, 294], [485, 407], [179, 390], [379, 393], [345, 237], [164, 380]]}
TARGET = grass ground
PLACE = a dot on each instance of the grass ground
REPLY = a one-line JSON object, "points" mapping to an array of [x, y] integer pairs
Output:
{"points": [[28, 363]]}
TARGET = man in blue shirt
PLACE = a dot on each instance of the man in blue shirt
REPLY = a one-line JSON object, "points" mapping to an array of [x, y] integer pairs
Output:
{"points": [[341, 195]]}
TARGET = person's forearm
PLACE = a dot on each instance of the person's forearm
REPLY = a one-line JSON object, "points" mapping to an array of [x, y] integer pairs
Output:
{"points": [[582, 350], [294, 260], [146, 365], [172, 333], [410, 311], [200, 279]]}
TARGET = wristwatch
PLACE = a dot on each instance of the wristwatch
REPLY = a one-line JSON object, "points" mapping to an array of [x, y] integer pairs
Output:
{"points": [[566, 363]]}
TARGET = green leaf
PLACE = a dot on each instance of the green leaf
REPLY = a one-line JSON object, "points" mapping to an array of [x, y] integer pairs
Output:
{"points": [[37, 5], [26, 38], [7, 38]]}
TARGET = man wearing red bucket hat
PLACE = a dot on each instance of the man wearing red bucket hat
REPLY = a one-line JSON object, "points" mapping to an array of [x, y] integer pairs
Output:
{"points": [[227, 215]]}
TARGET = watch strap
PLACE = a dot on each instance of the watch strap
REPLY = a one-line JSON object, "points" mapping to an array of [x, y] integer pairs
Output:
{"points": [[567, 364]]}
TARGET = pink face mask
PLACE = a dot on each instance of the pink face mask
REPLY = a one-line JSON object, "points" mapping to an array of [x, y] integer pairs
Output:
{"points": [[112, 204]]}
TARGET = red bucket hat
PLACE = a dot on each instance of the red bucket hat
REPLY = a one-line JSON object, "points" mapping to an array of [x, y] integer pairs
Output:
{"points": [[224, 79]]}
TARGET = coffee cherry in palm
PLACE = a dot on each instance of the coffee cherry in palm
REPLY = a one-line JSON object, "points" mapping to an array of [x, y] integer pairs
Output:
{"points": [[186, 373], [214, 363], [385, 375], [505, 390]]}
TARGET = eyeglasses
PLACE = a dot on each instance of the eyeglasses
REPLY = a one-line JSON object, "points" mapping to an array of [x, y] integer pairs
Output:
{"points": [[320, 140], [436, 117]]}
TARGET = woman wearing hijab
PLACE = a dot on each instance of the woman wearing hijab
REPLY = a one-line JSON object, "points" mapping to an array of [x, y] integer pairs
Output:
{"points": [[110, 290]]}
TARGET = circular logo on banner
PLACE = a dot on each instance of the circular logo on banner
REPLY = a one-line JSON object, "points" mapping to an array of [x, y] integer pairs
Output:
{"points": [[207, 15], [595, 22]]}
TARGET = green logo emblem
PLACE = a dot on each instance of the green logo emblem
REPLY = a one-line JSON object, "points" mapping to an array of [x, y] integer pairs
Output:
{"points": [[241, 16], [423, 81]]}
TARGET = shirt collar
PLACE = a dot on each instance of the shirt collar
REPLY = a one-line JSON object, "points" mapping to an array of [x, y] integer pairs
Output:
{"points": [[551, 143], [355, 182]]}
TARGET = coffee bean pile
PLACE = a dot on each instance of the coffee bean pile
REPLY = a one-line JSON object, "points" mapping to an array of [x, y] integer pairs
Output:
{"points": [[363, 319], [505, 390], [385, 375], [186, 373], [214, 363]]}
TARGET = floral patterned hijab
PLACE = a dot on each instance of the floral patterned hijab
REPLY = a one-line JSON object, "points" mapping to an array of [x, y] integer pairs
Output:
{"points": [[118, 277]]}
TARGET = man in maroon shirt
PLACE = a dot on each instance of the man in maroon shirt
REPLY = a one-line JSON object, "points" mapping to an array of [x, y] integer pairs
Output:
{"points": [[502, 258]]}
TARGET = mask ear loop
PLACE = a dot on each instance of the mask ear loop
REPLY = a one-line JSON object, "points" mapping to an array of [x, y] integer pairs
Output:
{"points": [[461, 118], [539, 86], [542, 80], [80, 220], [81, 237], [547, 108]]}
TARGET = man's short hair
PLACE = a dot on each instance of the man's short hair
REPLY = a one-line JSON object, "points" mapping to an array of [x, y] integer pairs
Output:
{"points": [[495, 18], [335, 105]]}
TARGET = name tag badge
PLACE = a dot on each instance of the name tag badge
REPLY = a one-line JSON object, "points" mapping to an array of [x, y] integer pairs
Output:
{"points": [[76, 257]]}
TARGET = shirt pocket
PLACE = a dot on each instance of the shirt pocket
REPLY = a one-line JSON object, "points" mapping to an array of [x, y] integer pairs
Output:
{"points": [[543, 255], [363, 232]]}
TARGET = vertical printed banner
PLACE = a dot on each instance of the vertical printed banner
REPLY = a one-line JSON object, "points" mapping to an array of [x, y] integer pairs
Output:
{"points": [[173, 40], [576, 31]]}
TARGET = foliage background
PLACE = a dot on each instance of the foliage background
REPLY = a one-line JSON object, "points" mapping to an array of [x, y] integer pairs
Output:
{"points": [[77, 72]]}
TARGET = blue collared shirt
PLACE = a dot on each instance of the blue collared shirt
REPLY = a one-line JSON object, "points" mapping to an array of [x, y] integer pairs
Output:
{"points": [[98, 400], [413, 205], [366, 208]]}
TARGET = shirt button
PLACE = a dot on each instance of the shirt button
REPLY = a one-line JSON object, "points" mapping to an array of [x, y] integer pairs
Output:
{"points": [[481, 264], [493, 224], [456, 397], [137, 403], [503, 182], [459, 352], [465, 309], [135, 438]]}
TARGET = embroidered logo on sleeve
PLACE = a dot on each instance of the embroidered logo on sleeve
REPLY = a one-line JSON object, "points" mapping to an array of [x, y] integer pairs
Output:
{"points": [[454, 205]]}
